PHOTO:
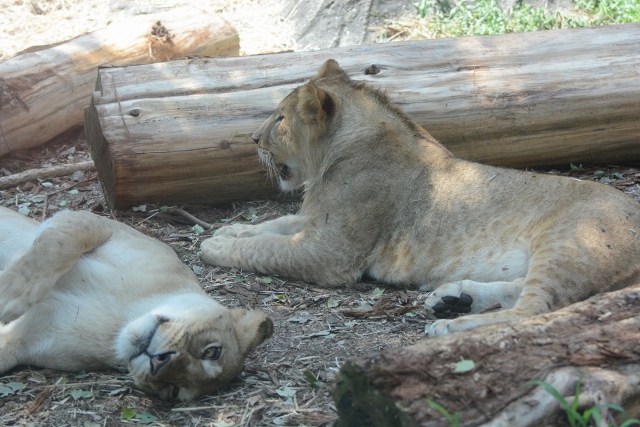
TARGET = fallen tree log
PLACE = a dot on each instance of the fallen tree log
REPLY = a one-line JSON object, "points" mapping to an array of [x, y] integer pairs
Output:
{"points": [[547, 98], [595, 341], [44, 90]]}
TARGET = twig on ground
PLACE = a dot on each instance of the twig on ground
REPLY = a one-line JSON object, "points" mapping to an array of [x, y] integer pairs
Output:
{"points": [[33, 174], [186, 215]]}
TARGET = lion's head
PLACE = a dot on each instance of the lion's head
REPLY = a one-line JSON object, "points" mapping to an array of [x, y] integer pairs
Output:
{"points": [[188, 349], [313, 127], [291, 141]]}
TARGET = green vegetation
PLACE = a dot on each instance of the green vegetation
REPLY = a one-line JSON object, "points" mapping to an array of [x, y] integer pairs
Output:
{"points": [[439, 18], [454, 420], [586, 418]]}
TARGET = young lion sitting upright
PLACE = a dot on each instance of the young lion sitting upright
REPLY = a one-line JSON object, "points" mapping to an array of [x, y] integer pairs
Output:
{"points": [[383, 198], [84, 292]]}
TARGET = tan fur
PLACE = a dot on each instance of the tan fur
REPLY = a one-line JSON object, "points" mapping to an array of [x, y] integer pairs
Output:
{"points": [[84, 292], [383, 198]]}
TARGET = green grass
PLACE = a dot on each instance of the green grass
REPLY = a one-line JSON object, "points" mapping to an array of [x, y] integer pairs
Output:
{"points": [[588, 417], [484, 17], [575, 417]]}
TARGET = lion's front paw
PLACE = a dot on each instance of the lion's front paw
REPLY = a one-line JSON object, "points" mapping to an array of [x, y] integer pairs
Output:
{"points": [[438, 328], [235, 230], [217, 250], [448, 301]]}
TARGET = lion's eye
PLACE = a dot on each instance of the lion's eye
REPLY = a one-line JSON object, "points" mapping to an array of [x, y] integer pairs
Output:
{"points": [[279, 118], [212, 353]]}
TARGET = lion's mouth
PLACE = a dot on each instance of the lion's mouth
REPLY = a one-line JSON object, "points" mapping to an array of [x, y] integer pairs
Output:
{"points": [[141, 344], [283, 171]]}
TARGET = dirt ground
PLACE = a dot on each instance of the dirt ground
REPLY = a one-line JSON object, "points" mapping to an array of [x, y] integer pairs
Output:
{"points": [[288, 380]]}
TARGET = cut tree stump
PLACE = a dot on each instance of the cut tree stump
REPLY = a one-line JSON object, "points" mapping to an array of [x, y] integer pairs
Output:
{"points": [[180, 132], [44, 90], [595, 341]]}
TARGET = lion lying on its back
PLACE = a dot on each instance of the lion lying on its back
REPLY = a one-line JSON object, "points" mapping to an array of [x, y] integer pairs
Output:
{"points": [[383, 198], [84, 292]]}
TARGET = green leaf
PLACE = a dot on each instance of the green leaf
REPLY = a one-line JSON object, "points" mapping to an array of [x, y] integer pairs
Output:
{"points": [[575, 168], [250, 214], [24, 210], [332, 303], [410, 314], [127, 413], [377, 292], [286, 391], [198, 229], [63, 203], [118, 391], [5, 391], [266, 279], [146, 418], [37, 377], [16, 386], [463, 366], [237, 279], [81, 375], [141, 208], [81, 394], [46, 184], [36, 198], [312, 379], [73, 191], [618, 175], [599, 173]]}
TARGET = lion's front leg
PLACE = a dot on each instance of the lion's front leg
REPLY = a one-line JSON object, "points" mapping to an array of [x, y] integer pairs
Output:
{"points": [[467, 296], [297, 256], [285, 225], [60, 242]]}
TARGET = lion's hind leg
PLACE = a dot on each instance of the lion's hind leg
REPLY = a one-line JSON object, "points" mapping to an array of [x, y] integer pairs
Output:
{"points": [[60, 241]]}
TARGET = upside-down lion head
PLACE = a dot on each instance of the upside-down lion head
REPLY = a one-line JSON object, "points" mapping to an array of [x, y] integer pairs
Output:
{"points": [[180, 353]]}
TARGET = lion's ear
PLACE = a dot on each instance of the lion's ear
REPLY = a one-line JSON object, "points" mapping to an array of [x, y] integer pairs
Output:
{"points": [[252, 328], [331, 68], [315, 104]]}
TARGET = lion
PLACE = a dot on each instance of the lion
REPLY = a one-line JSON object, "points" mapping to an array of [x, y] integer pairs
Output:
{"points": [[83, 292], [384, 199]]}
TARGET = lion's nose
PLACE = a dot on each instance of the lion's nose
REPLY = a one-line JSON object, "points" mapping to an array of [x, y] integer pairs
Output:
{"points": [[159, 360], [256, 138]]}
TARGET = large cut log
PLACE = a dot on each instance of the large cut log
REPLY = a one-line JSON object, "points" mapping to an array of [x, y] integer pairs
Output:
{"points": [[594, 342], [180, 131], [43, 90]]}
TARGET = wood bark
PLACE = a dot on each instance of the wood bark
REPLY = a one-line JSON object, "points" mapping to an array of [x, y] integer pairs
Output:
{"points": [[43, 90], [595, 341], [547, 98]]}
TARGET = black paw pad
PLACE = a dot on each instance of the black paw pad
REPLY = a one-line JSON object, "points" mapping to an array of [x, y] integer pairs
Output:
{"points": [[452, 307]]}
